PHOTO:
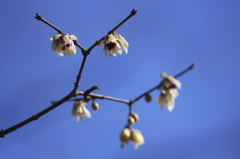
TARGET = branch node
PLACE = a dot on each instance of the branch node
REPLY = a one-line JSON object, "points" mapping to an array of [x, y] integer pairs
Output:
{"points": [[1, 133], [34, 117]]}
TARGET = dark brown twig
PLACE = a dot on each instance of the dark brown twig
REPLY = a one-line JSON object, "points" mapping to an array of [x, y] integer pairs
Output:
{"points": [[133, 12], [98, 96]]}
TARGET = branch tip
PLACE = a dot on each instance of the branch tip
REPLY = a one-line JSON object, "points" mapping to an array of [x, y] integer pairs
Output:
{"points": [[134, 11], [38, 17], [192, 66]]}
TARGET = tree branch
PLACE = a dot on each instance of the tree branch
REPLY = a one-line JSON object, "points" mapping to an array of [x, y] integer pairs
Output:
{"points": [[159, 85], [73, 93], [129, 102]]}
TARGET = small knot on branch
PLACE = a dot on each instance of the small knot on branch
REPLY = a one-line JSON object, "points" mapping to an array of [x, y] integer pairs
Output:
{"points": [[34, 117], [134, 11], [2, 133], [75, 84], [38, 17]]}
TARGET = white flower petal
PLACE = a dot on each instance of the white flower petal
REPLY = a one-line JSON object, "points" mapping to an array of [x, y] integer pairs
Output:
{"points": [[73, 37], [54, 46], [57, 36], [86, 112]]}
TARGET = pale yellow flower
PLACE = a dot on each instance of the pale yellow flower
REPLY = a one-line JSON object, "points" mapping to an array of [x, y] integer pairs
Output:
{"points": [[125, 136], [137, 138], [168, 91], [113, 44], [63, 44], [79, 111]]}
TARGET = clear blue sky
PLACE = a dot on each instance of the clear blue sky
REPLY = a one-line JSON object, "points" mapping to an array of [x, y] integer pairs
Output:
{"points": [[163, 36]]}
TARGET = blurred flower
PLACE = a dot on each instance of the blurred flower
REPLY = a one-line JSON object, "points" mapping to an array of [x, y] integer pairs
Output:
{"points": [[168, 91], [113, 44], [137, 138], [131, 134], [63, 44], [79, 110], [125, 136]]}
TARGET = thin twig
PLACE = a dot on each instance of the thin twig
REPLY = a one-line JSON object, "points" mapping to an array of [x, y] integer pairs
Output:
{"points": [[159, 85], [34, 117], [98, 96], [130, 102], [133, 12], [39, 17]]}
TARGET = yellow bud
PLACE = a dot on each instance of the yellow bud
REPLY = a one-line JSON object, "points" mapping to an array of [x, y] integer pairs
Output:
{"points": [[137, 138], [95, 106], [135, 116], [148, 98], [131, 120], [125, 136]]}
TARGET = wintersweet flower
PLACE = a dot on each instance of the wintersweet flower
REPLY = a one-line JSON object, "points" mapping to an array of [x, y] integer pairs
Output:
{"points": [[79, 110], [125, 136], [63, 44], [168, 91], [113, 44], [131, 134], [137, 138]]}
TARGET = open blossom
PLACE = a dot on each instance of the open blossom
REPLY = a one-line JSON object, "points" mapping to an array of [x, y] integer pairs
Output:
{"points": [[131, 134], [113, 44], [63, 44], [168, 91], [79, 110]]}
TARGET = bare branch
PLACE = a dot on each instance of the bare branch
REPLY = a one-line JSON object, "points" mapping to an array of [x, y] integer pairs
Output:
{"points": [[73, 93], [98, 96]]}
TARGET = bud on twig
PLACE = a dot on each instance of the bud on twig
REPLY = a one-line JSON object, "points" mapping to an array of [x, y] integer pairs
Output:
{"points": [[148, 98]]}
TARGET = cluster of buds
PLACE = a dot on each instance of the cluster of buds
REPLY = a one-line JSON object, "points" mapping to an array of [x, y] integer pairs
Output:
{"points": [[131, 134], [168, 91], [113, 44], [63, 44]]}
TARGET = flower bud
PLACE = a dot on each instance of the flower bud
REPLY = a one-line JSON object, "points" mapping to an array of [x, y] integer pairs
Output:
{"points": [[95, 106], [125, 136], [131, 120], [148, 98], [137, 138], [134, 116]]}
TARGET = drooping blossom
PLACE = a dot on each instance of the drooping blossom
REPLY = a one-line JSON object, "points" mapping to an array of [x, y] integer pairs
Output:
{"points": [[63, 44], [131, 134], [168, 91], [113, 44], [79, 111], [137, 138], [125, 136]]}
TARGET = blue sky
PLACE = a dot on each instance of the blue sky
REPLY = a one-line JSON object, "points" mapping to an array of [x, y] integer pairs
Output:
{"points": [[164, 36]]}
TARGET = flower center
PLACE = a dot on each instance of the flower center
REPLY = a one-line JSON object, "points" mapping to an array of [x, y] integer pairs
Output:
{"points": [[110, 45]]}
